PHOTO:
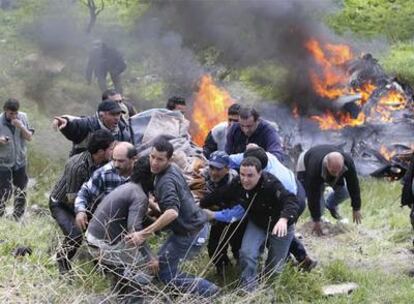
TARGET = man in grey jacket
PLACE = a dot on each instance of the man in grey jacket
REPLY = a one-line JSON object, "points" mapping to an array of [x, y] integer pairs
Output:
{"points": [[123, 211], [187, 222], [15, 131]]}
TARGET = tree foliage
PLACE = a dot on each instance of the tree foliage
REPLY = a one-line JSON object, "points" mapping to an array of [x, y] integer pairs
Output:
{"points": [[372, 18]]}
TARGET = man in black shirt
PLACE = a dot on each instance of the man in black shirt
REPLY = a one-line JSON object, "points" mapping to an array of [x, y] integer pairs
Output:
{"points": [[271, 211], [78, 170], [326, 164], [103, 60]]}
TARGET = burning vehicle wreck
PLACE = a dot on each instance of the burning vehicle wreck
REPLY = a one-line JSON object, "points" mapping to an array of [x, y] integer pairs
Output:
{"points": [[359, 107], [351, 102]]}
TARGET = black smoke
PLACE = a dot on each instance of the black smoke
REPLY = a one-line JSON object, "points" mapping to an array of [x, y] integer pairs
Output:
{"points": [[244, 33]]}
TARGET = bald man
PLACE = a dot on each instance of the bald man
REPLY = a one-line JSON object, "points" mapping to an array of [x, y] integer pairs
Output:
{"points": [[327, 165], [103, 181]]}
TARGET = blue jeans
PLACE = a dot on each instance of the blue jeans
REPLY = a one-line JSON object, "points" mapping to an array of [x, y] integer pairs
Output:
{"points": [[177, 249], [253, 240], [339, 194], [296, 247]]}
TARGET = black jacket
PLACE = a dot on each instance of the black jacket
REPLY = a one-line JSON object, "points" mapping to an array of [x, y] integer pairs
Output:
{"points": [[104, 60], [313, 181], [210, 145], [79, 129], [407, 197], [265, 204]]}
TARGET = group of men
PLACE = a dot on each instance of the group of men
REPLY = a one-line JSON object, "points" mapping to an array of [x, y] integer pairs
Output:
{"points": [[118, 200]]}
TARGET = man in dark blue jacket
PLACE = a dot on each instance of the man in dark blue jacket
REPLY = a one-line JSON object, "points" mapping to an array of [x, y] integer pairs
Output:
{"points": [[79, 129], [252, 129]]}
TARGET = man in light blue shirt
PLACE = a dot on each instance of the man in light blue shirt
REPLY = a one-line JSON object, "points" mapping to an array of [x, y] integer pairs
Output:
{"points": [[272, 165]]}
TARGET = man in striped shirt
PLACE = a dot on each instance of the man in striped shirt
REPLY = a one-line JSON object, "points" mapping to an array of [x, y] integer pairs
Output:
{"points": [[103, 181], [78, 169]]}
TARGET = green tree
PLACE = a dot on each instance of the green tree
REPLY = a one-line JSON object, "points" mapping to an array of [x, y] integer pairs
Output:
{"points": [[371, 18]]}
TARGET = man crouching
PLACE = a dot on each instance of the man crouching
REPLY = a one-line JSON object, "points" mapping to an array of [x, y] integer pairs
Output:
{"points": [[123, 211]]}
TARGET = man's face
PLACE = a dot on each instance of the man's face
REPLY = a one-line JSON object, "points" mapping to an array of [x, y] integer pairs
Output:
{"points": [[121, 161], [248, 126], [334, 170], [116, 98], [249, 177], [181, 108], [110, 120], [10, 115], [158, 161], [217, 174], [232, 119]]}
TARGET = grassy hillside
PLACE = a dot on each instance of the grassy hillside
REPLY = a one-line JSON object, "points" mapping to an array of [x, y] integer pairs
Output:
{"points": [[375, 255]]}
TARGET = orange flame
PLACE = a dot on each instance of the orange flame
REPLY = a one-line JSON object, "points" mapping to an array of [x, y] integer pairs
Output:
{"points": [[388, 154], [330, 121], [330, 81], [210, 108]]}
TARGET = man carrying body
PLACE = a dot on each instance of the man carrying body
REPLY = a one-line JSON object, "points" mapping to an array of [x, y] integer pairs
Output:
{"points": [[78, 170], [187, 222], [221, 234], [271, 211], [177, 103], [103, 181], [123, 211], [128, 109], [271, 164], [326, 164], [78, 129], [252, 129], [14, 133]]}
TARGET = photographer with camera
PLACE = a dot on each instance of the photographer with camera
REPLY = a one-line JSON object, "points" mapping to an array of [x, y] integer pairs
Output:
{"points": [[14, 132]]}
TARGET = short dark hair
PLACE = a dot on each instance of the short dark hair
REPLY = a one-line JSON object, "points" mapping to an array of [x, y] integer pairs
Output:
{"points": [[11, 104], [259, 153], [163, 145], [234, 109], [100, 140], [251, 162], [132, 152], [141, 174], [107, 93], [248, 111], [174, 101]]}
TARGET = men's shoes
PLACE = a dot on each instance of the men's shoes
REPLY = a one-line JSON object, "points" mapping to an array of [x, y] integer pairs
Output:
{"points": [[307, 264]]}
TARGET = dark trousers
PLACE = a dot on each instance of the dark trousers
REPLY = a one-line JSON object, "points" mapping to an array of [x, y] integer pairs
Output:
{"points": [[221, 236], [116, 80], [73, 236], [296, 247], [13, 181]]}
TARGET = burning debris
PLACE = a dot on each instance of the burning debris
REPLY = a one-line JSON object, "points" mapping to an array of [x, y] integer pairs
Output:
{"points": [[356, 105], [354, 91]]}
